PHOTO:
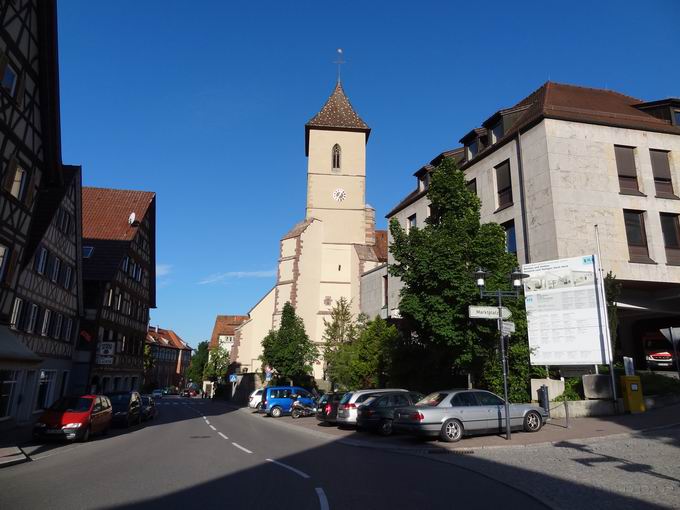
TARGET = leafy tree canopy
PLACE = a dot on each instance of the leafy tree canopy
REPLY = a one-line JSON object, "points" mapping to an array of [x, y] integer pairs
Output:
{"points": [[197, 365]]}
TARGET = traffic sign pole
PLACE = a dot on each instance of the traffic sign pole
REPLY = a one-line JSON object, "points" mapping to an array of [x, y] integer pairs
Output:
{"points": [[504, 360]]}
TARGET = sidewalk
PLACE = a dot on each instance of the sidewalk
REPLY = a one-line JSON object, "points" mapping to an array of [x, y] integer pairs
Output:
{"points": [[554, 431]]}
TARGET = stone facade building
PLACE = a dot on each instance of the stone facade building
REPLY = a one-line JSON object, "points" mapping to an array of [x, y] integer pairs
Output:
{"points": [[119, 275], [565, 159], [40, 285], [321, 258]]}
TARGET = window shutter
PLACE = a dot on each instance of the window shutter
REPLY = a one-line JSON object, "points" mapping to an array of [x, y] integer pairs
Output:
{"points": [[3, 64], [660, 165], [10, 170], [20, 89], [625, 161], [28, 200], [11, 266]]}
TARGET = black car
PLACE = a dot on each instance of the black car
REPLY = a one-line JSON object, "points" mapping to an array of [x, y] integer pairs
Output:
{"points": [[148, 408], [377, 413], [327, 407], [127, 407]]}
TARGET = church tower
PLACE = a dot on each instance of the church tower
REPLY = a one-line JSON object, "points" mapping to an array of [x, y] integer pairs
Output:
{"points": [[335, 144]]}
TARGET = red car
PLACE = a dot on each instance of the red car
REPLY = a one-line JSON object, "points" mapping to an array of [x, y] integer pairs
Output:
{"points": [[75, 418]]}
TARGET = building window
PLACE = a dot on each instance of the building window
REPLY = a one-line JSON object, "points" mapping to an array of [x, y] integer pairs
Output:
{"points": [[32, 318], [56, 269], [676, 117], [68, 273], [472, 150], [4, 259], [336, 157], [17, 307], [472, 186], [59, 321], [19, 183], [625, 167], [41, 260], [497, 131], [45, 389], [8, 381], [384, 291], [139, 273], [504, 185], [119, 300], [126, 264], [47, 319], [87, 251], [10, 78], [662, 173], [108, 299], [636, 235], [510, 239], [410, 223], [68, 330], [670, 225]]}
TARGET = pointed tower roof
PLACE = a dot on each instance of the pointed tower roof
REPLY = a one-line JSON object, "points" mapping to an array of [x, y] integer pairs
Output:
{"points": [[337, 114]]}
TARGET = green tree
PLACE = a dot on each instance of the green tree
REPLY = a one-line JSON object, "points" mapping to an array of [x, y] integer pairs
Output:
{"points": [[436, 265], [197, 365], [612, 290], [371, 354], [149, 362], [288, 350], [218, 363], [339, 331]]}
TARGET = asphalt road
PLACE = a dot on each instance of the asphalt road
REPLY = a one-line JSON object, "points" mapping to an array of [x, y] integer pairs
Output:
{"points": [[199, 454]]}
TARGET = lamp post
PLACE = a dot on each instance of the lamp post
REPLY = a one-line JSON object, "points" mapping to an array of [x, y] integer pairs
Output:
{"points": [[516, 280]]}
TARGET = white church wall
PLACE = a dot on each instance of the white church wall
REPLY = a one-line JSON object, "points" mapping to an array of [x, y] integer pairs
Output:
{"points": [[309, 266], [288, 247], [353, 151], [253, 332]]}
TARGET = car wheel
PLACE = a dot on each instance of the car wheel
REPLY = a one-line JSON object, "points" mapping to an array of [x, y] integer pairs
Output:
{"points": [[385, 428], [296, 413], [451, 431], [86, 435], [276, 412], [258, 406], [533, 422]]}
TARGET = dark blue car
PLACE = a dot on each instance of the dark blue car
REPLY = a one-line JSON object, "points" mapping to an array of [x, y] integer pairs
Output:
{"points": [[277, 400]]}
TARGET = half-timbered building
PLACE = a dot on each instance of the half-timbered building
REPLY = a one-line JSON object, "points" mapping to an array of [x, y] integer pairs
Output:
{"points": [[40, 217], [119, 287], [171, 357]]}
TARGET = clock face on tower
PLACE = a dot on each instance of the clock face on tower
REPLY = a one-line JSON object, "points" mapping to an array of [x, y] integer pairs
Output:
{"points": [[339, 195]]}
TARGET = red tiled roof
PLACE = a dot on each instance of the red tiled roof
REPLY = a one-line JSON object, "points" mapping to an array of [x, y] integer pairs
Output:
{"points": [[338, 113], [226, 325], [165, 338], [380, 247], [106, 212]]}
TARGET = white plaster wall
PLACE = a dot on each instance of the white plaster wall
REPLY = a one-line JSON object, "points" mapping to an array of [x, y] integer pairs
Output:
{"points": [[336, 262], [586, 192], [311, 258], [253, 332], [372, 291], [353, 147], [288, 247]]}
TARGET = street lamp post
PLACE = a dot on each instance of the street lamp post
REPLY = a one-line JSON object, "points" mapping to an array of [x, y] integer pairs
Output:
{"points": [[516, 279]]}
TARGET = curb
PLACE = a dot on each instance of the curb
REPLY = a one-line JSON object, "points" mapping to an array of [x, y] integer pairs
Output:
{"points": [[462, 450], [16, 457]]}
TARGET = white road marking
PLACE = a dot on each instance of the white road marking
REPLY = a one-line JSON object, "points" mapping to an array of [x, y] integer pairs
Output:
{"points": [[213, 427], [241, 447], [290, 468], [323, 501], [223, 436]]}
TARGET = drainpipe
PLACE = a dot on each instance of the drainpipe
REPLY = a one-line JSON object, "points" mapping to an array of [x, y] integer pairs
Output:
{"points": [[522, 200]]}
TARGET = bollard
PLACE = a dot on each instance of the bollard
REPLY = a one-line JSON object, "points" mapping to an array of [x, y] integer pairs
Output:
{"points": [[544, 398], [566, 411]]}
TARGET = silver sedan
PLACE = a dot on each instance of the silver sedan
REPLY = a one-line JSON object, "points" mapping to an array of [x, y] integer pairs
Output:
{"points": [[451, 414]]}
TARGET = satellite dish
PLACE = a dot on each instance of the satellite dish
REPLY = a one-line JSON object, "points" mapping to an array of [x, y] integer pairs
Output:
{"points": [[131, 219]]}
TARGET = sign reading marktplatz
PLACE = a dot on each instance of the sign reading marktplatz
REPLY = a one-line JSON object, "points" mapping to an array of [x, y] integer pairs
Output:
{"points": [[488, 312], [565, 312]]}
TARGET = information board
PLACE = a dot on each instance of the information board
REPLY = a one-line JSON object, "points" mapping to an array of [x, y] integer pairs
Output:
{"points": [[565, 314]]}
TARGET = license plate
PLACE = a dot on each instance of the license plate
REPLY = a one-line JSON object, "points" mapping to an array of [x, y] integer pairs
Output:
{"points": [[54, 431]]}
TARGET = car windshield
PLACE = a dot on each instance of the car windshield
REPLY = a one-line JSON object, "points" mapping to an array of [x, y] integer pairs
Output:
{"points": [[433, 399], [657, 343], [72, 404], [345, 398]]}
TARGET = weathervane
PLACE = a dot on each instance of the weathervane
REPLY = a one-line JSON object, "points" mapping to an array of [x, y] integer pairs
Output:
{"points": [[339, 62]]}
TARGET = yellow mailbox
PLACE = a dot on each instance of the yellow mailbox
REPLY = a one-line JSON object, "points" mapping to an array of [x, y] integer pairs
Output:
{"points": [[633, 400]]}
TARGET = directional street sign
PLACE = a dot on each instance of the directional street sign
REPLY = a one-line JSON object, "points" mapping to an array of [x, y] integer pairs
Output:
{"points": [[487, 312], [507, 327]]}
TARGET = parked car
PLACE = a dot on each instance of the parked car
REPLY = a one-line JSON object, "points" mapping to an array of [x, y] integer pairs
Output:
{"points": [[149, 410], [377, 412], [75, 418], [277, 400], [170, 390], [127, 407], [327, 407], [255, 399], [452, 414], [347, 408], [189, 392], [157, 393], [658, 353]]}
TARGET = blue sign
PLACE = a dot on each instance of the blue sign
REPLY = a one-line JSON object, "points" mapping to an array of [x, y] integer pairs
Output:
{"points": [[233, 378], [268, 376]]}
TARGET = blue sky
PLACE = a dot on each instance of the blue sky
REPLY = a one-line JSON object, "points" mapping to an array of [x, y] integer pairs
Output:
{"points": [[205, 104]]}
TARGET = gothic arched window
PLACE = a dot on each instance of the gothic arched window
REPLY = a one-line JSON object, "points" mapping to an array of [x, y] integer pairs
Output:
{"points": [[336, 157]]}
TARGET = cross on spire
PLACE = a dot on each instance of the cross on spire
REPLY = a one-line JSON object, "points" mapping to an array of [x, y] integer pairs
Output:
{"points": [[339, 62]]}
